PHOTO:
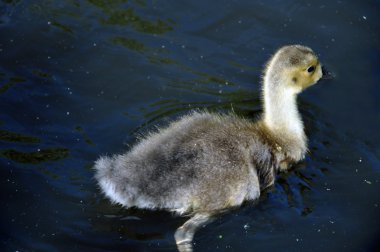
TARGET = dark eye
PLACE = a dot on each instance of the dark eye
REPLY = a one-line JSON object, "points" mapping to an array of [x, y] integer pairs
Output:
{"points": [[311, 69]]}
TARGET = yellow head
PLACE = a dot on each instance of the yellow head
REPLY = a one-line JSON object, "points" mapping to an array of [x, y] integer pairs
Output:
{"points": [[293, 67]]}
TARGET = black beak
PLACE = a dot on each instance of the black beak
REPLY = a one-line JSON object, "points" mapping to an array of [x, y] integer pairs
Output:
{"points": [[327, 75]]}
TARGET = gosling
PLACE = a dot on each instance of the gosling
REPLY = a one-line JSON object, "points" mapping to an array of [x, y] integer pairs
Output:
{"points": [[205, 163]]}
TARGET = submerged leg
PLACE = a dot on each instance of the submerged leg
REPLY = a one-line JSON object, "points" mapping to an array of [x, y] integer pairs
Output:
{"points": [[185, 233]]}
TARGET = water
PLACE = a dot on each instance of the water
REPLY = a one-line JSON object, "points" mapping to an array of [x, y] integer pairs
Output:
{"points": [[79, 79]]}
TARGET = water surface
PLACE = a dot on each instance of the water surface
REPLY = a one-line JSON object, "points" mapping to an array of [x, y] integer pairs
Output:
{"points": [[80, 79]]}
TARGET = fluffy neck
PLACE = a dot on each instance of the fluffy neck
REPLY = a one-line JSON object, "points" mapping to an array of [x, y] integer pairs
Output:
{"points": [[281, 116], [281, 112]]}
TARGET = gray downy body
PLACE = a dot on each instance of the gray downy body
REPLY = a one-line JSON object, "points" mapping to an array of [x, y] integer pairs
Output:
{"points": [[202, 163]]}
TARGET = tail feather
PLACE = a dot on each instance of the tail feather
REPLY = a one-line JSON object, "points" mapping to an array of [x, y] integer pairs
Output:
{"points": [[108, 181]]}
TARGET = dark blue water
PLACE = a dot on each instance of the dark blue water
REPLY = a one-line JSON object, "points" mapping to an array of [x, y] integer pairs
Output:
{"points": [[79, 79]]}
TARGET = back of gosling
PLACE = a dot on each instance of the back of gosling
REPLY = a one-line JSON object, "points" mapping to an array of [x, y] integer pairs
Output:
{"points": [[204, 163]]}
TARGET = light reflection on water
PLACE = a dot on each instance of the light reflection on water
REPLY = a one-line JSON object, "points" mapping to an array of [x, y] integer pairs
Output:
{"points": [[79, 79]]}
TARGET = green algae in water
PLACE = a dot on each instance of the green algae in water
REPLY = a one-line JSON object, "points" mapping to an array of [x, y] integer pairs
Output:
{"points": [[105, 4], [129, 18], [12, 81], [41, 74], [131, 44], [37, 157], [161, 60], [62, 27], [15, 137], [86, 138]]}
